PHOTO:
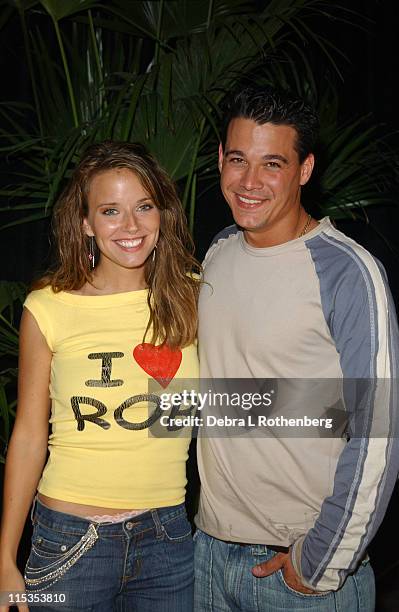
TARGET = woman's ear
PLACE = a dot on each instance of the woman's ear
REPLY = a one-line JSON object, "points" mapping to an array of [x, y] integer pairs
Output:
{"points": [[86, 228]]}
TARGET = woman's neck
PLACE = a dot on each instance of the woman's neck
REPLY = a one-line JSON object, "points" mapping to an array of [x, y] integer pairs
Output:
{"points": [[106, 284]]}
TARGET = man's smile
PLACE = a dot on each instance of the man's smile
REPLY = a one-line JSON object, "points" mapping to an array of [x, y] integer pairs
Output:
{"points": [[249, 203]]}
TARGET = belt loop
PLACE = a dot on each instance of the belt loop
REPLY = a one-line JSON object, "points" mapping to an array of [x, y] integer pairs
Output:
{"points": [[157, 522]]}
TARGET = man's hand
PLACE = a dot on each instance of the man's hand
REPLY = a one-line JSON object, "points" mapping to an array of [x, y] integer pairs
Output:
{"points": [[282, 561]]}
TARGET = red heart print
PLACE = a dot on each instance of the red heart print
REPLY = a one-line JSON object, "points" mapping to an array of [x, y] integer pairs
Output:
{"points": [[160, 362]]}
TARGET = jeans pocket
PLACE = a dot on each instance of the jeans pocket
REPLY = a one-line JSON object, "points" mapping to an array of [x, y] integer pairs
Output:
{"points": [[50, 544], [177, 529], [364, 585], [53, 553], [298, 593]]}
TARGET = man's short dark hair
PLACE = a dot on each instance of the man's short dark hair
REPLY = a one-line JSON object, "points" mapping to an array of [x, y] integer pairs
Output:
{"points": [[269, 105]]}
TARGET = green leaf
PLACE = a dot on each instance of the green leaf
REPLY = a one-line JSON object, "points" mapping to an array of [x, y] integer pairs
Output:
{"points": [[57, 9]]}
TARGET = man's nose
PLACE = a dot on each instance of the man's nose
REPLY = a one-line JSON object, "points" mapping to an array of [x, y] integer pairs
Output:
{"points": [[251, 178]]}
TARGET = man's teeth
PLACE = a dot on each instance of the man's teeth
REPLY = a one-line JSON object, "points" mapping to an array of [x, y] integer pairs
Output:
{"points": [[248, 201], [128, 244]]}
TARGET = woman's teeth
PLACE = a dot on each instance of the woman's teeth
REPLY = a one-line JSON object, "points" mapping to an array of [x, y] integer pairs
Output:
{"points": [[128, 244]]}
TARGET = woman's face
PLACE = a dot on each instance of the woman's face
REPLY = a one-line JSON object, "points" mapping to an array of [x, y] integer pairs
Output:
{"points": [[124, 220]]}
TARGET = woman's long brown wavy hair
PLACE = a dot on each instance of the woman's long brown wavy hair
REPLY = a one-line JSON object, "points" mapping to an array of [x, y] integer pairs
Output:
{"points": [[173, 288]]}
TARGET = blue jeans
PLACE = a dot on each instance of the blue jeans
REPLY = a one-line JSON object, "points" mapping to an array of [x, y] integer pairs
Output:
{"points": [[224, 583], [143, 564]]}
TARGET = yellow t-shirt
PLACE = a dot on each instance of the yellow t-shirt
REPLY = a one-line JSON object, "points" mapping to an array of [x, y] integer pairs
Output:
{"points": [[99, 373]]}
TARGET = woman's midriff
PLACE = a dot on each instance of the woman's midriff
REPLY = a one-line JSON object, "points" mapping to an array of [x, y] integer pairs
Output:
{"points": [[82, 510]]}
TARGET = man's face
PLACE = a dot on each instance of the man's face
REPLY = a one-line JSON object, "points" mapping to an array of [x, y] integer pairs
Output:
{"points": [[261, 178]]}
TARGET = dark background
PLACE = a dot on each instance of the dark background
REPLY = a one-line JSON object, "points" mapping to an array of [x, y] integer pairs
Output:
{"points": [[368, 86]]}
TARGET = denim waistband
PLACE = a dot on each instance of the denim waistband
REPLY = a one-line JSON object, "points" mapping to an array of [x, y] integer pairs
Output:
{"points": [[69, 523]]}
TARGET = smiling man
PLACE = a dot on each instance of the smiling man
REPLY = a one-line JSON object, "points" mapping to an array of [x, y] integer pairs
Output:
{"points": [[284, 522], [261, 179]]}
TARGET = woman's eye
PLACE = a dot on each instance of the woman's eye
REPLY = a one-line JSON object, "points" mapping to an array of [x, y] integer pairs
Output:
{"points": [[110, 211], [145, 207]]}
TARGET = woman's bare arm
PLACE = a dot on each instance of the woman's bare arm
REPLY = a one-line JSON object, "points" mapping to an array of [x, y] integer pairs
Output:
{"points": [[28, 446]]}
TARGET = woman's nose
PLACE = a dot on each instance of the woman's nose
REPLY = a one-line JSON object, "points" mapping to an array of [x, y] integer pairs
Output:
{"points": [[130, 223]]}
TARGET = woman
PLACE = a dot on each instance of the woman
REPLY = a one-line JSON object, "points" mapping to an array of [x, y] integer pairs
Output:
{"points": [[110, 530]]}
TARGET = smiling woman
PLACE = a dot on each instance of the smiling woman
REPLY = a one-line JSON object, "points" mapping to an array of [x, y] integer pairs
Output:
{"points": [[123, 181], [110, 499], [124, 221]]}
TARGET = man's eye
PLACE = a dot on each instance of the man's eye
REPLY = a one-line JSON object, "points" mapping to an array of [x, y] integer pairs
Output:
{"points": [[236, 160], [272, 164]]}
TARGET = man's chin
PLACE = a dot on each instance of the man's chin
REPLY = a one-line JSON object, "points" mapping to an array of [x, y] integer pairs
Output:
{"points": [[247, 225], [248, 220]]}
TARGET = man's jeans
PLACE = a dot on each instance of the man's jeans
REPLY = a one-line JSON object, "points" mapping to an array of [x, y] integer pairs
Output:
{"points": [[143, 564], [224, 583]]}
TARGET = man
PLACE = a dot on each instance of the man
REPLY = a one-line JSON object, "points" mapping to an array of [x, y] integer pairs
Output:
{"points": [[284, 523]]}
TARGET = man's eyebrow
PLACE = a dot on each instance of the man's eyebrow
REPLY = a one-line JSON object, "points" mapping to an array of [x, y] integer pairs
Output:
{"points": [[268, 157], [233, 152], [275, 156]]}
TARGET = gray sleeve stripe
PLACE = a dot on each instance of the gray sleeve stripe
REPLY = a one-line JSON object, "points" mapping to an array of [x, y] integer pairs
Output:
{"points": [[393, 402], [337, 264], [371, 302], [231, 230], [362, 452]]}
